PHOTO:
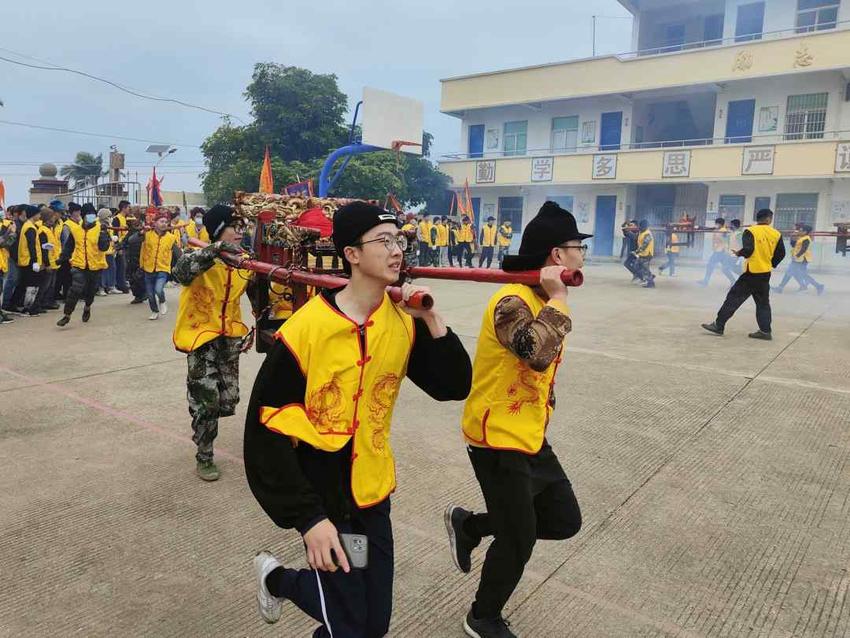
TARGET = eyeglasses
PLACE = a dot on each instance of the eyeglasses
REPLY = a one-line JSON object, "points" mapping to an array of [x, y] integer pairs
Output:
{"points": [[389, 241], [582, 248]]}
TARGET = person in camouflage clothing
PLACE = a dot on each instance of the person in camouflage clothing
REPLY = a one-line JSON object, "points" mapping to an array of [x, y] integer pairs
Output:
{"points": [[209, 329]]}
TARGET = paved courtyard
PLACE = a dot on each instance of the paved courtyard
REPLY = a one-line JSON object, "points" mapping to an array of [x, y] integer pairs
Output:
{"points": [[713, 475]]}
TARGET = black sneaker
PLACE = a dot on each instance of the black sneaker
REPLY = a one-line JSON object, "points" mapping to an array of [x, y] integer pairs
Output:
{"points": [[460, 544], [63, 321], [136, 300], [6, 319], [764, 336], [487, 627], [86, 314], [713, 328]]}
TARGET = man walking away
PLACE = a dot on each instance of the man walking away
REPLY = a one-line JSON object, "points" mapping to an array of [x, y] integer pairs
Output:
{"points": [[63, 275], [764, 251], [132, 247], [644, 253]]}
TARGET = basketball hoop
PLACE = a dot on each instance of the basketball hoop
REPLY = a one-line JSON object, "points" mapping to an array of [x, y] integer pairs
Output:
{"points": [[396, 147]]}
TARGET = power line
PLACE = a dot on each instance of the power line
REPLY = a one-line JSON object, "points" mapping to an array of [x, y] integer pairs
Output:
{"points": [[56, 67], [106, 135]]}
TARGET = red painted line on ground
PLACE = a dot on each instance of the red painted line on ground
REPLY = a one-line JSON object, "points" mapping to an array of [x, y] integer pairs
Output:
{"points": [[114, 412]]}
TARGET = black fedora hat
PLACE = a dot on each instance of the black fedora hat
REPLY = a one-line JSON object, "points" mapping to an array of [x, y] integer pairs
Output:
{"points": [[553, 226]]}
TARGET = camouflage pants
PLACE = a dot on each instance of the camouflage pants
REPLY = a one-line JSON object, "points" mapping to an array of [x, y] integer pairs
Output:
{"points": [[213, 389]]}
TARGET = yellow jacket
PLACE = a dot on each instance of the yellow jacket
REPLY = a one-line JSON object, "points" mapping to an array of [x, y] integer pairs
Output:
{"points": [[192, 233], [765, 238], [488, 235], [505, 235], [156, 251], [86, 255], [351, 388], [508, 407], [4, 252], [806, 257], [209, 307], [649, 251]]}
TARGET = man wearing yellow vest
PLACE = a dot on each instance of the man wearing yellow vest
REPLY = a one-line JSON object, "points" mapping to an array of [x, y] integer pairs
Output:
{"points": [[764, 251], [487, 240], [31, 265], [644, 253], [506, 235], [423, 235], [672, 252], [158, 250], [317, 435], [801, 255], [527, 493], [85, 249], [466, 238], [441, 241], [210, 330], [49, 229], [8, 239], [195, 229]]}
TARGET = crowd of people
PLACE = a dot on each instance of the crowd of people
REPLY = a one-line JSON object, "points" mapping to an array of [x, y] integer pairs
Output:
{"points": [[54, 256], [638, 251], [440, 241]]}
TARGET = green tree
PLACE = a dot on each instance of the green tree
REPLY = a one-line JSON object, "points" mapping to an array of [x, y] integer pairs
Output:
{"points": [[85, 169], [301, 117]]}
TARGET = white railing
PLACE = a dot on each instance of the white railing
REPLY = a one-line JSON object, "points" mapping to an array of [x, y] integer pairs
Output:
{"points": [[584, 149]]}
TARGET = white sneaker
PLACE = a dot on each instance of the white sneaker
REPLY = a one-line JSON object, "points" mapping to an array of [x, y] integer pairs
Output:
{"points": [[154, 316], [269, 606], [163, 308], [100, 293]]}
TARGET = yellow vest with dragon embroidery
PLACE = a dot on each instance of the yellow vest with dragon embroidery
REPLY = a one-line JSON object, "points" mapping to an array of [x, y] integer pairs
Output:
{"points": [[351, 388], [508, 407], [209, 307]]}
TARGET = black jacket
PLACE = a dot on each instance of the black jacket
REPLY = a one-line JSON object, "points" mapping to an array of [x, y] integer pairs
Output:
{"points": [[299, 486]]}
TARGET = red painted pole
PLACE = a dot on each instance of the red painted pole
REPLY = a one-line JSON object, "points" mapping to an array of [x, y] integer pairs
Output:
{"points": [[286, 276], [573, 278]]}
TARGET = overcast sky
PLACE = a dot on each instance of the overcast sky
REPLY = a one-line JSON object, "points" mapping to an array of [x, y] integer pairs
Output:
{"points": [[203, 52]]}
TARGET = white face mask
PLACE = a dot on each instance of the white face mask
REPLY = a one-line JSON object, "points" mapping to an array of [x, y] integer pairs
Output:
{"points": [[91, 218], [199, 220]]}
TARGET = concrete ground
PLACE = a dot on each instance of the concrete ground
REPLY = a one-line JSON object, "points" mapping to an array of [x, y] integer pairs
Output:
{"points": [[713, 474]]}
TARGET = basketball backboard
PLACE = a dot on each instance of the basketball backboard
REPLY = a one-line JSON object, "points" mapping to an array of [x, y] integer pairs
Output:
{"points": [[388, 118]]}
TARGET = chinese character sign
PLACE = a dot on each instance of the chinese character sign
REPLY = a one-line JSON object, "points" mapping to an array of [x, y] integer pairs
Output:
{"points": [[758, 160], [541, 169], [485, 172], [842, 158], [676, 164], [605, 166]]}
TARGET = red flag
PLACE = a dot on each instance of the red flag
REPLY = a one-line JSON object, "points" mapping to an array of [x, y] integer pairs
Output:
{"points": [[266, 177], [2, 194], [154, 192]]}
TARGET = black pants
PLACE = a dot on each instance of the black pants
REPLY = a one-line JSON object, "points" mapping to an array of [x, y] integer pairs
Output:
{"points": [[486, 253], [464, 253], [631, 265], [47, 289], [528, 497], [358, 604], [84, 284], [27, 278], [63, 280], [452, 253], [137, 281], [748, 285], [642, 270], [424, 254]]}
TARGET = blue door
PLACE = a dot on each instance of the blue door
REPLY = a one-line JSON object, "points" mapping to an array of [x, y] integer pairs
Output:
{"points": [[476, 140], [603, 228], [739, 121], [612, 128]]}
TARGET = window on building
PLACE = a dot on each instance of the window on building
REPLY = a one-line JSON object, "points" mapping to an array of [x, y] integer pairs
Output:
{"points": [[731, 207], [565, 133], [816, 15], [713, 29], [795, 208], [674, 37], [750, 22], [805, 117], [515, 137], [760, 203]]}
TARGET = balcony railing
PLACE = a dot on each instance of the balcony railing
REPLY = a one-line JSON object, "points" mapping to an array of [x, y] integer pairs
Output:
{"points": [[737, 39], [778, 137]]}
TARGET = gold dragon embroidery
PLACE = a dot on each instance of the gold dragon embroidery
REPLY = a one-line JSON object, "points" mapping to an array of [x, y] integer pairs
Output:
{"points": [[201, 307], [324, 405], [381, 401], [525, 388]]}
